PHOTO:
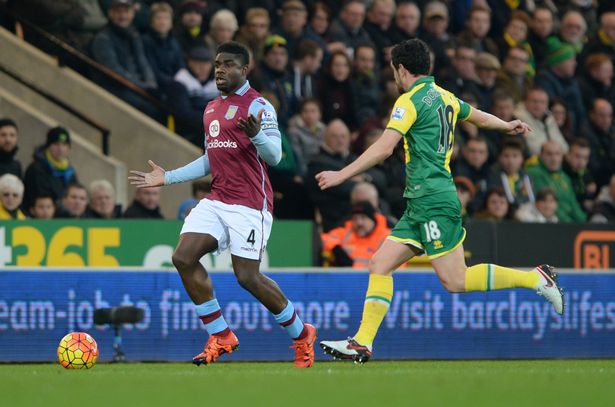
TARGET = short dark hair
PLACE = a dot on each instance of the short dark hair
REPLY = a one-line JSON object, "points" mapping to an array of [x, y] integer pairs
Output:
{"points": [[579, 142], [511, 143], [235, 48], [307, 101], [7, 122], [43, 195], [413, 55], [306, 48], [72, 185], [543, 193]]}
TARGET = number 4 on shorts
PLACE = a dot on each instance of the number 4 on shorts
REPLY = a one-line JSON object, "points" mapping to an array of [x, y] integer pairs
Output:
{"points": [[251, 238]]}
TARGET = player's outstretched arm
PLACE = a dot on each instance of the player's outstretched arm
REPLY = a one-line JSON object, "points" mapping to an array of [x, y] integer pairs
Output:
{"points": [[488, 121], [154, 178], [158, 176], [375, 154]]}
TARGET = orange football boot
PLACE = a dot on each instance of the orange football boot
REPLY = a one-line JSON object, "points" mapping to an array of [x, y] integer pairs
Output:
{"points": [[304, 348], [215, 347]]}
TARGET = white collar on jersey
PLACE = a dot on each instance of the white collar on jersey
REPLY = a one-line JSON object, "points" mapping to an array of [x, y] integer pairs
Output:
{"points": [[242, 89]]}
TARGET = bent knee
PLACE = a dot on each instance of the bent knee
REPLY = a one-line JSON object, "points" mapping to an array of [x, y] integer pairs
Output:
{"points": [[247, 280], [454, 284], [183, 261]]}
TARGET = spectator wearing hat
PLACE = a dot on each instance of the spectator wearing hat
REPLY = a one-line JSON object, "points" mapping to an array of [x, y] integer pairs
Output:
{"points": [[222, 28], [348, 27], [119, 47], [487, 67], [11, 196], [189, 32], [51, 171], [274, 76], [8, 148], [559, 81], [193, 87], [292, 26], [534, 111], [435, 33], [354, 243], [161, 47], [254, 31], [378, 24], [478, 23]]}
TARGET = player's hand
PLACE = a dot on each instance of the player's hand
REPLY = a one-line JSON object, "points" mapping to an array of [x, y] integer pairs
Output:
{"points": [[329, 179], [518, 127], [252, 125], [155, 178]]}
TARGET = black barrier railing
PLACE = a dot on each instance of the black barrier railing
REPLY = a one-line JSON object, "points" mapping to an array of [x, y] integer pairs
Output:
{"points": [[104, 132], [64, 52]]}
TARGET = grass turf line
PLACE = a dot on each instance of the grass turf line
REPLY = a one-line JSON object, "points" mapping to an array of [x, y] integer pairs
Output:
{"points": [[416, 383]]}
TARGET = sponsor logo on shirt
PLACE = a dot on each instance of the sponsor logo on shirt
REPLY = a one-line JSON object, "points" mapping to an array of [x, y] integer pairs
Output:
{"points": [[221, 144], [249, 249], [209, 111], [230, 113], [398, 113], [214, 128]]}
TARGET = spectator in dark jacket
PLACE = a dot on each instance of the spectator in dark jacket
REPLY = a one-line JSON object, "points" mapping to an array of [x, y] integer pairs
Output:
{"points": [[102, 201], [473, 165], [50, 172], [378, 24], [348, 28], [336, 92], [8, 148], [598, 79], [74, 203], [575, 165], [365, 83], [558, 80], [478, 23], [275, 77], [190, 92], [406, 23], [603, 40], [146, 204], [119, 47], [600, 133], [541, 28], [189, 32], [334, 203], [604, 212], [161, 47], [293, 27]]}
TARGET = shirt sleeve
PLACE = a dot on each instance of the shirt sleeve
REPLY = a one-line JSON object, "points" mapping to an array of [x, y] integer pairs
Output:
{"points": [[403, 115], [464, 110], [268, 141], [189, 172]]}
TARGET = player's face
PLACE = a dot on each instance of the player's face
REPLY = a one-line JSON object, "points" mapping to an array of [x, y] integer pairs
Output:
{"points": [[398, 83], [229, 72]]}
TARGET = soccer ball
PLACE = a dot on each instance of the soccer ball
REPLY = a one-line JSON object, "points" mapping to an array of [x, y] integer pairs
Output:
{"points": [[77, 350]]}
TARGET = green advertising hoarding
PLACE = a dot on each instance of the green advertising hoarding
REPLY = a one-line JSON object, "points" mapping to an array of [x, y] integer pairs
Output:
{"points": [[100, 243]]}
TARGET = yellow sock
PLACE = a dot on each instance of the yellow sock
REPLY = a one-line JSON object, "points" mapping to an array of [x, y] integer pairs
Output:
{"points": [[377, 301], [487, 277]]}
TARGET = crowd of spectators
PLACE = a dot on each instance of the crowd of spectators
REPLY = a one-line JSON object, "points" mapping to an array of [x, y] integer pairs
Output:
{"points": [[325, 66]]}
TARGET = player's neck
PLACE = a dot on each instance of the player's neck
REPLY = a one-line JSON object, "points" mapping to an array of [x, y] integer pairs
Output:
{"points": [[235, 89], [411, 80]]}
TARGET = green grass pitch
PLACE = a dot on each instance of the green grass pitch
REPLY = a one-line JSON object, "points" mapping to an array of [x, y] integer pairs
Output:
{"points": [[378, 383]]}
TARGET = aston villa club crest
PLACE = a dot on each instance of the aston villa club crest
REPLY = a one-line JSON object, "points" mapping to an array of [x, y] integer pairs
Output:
{"points": [[230, 113]]}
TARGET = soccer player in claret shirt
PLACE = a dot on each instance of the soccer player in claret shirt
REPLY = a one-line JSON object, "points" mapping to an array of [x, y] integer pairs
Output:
{"points": [[425, 116], [241, 139]]}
